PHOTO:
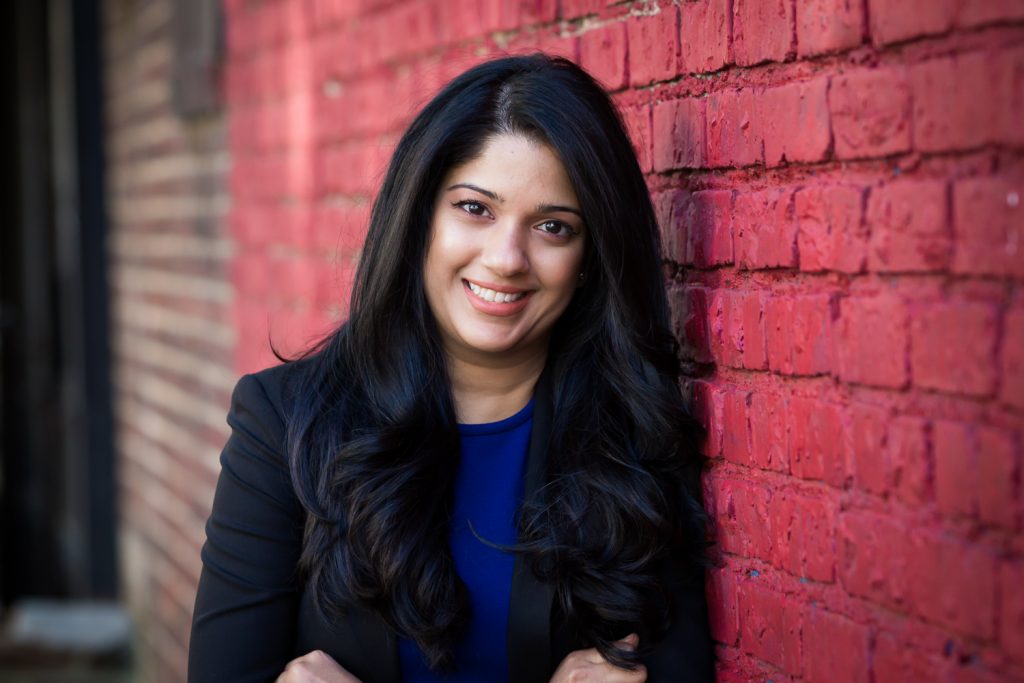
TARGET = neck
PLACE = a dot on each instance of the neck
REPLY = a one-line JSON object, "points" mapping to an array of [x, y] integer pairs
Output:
{"points": [[488, 391]]}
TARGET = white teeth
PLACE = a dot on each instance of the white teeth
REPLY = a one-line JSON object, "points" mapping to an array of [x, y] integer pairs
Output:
{"points": [[491, 295]]}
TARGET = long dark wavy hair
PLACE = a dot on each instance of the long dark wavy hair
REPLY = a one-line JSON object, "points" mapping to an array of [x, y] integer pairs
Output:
{"points": [[373, 442]]}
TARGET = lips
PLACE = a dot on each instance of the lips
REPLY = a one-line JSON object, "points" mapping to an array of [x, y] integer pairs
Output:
{"points": [[496, 299]]}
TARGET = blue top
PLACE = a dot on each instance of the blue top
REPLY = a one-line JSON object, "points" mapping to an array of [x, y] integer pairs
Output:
{"points": [[488, 490]]}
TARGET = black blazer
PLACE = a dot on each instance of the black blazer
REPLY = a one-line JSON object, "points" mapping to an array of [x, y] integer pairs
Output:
{"points": [[252, 617]]}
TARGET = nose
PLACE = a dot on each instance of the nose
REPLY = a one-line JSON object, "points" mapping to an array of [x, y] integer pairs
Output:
{"points": [[504, 252]]}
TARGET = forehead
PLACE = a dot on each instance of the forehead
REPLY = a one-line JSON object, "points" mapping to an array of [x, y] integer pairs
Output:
{"points": [[516, 168]]}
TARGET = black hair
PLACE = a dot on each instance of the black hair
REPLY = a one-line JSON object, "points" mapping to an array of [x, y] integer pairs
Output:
{"points": [[373, 441]]}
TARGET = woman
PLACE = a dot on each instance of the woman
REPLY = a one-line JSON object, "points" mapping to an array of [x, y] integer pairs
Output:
{"points": [[487, 472]]}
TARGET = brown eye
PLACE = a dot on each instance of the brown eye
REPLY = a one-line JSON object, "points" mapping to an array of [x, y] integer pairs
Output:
{"points": [[557, 229], [471, 207]]}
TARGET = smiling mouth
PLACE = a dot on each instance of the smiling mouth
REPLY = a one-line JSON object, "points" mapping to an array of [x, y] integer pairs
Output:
{"points": [[492, 296]]}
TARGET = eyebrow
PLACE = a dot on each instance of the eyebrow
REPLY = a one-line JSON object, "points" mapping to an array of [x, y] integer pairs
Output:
{"points": [[541, 208]]}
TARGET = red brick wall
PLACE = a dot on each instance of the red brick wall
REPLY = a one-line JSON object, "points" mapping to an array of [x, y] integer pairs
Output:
{"points": [[172, 337], [839, 185]]}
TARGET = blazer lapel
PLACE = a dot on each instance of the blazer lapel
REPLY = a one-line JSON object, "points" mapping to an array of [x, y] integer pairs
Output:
{"points": [[529, 611]]}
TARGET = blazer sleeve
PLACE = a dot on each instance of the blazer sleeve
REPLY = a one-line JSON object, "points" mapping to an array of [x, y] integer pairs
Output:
{"points": [[686, 654], [243, 624]]}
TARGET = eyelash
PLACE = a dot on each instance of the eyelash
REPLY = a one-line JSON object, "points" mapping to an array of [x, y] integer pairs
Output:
{"points": [[570, 231]]}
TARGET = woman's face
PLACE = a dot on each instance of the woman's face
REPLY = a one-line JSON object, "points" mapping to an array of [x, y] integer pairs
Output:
{"points": [[505, 250]]}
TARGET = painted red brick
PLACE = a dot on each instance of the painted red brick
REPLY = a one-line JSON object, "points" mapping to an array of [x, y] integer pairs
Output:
{"points": [[638, 124], [831, 234], [872, 339], [836, 649], [709, 407], [603, 54], [689, 312], [654, 46], [1011, 366], [733, 129], [987, 226], [579, 8], [897, 21], [962, 363], [1011, 613], [1008, 80], [679, 134], [741, 508], [770, 626], [815, 451], [952, 583], [871, 113], [977, 12], [670, 209], [803, 527], [799, 334], [828, 25], [997, 474], [736, 426], [909, 226], [769, 431], [709, 228], [975, 468], [705, 36], [764, 229], [954, 107], [864, 452], [896, 661], [737, 333], [723, 613], [762, 30], [795, 122], [868, 565], [910, 468]]}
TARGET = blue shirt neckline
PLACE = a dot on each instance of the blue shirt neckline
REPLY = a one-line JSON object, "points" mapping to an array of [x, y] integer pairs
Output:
{"points": [[505, 424]]}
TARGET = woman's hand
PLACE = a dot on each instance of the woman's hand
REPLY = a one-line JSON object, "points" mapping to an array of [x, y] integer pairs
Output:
{"points": [[315, 667], [588, 666]]}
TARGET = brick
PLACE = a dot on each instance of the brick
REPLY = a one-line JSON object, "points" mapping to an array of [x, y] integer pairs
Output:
{"points": [[803, 531], [909, 226], [706, 39], [828, 26], [998, 470], [741, 512], [1011, 366], [975, 468], [987, 220], [871, 113], [709, 228], [765, 232], [679, 133], [909, 465], [973, 671], [872, 338], [762, 30], [836, 649], [952, 583], [638, 124], [1011, 613], [751, 310], [872, 561], [799, 334], [769, 431], [978, 12], [814, 449], [723, 613], [670, 209], [603, 54], [733, 135], [692, 326], [831, 234], [653, 46], [795, 122], [736, 426], [770, 626], [864, 452], [737, 329], [893, 22], [709, 407], [579, 8], [962, 363], [953, 104], [894, 661]]}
